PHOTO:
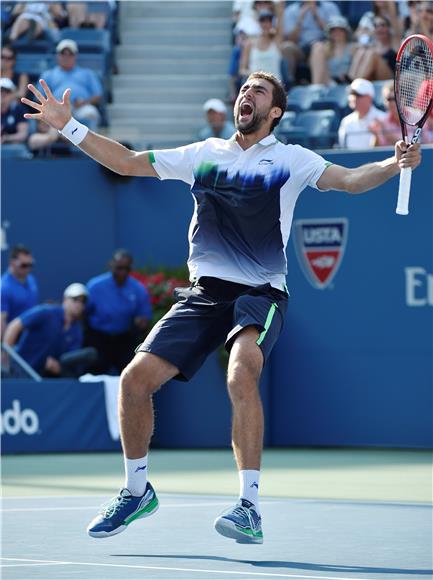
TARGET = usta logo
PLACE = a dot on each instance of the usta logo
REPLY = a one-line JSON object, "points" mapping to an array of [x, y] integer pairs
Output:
{"points": [[15, 420]]}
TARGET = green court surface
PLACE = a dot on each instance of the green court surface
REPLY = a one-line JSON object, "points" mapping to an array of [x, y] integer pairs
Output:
{"points": [[345, 474]]}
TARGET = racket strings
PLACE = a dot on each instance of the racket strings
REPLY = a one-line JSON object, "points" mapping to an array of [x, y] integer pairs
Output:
{"points": [[414, 81]]}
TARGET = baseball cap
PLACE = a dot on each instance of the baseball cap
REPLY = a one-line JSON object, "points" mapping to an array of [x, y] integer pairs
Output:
{"points": [[69, 44], [7, 84], [75, 290], [215, 105], [338, 22], [362, 87]]}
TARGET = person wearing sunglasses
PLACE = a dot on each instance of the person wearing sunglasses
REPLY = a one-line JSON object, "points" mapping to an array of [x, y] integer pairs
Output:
{"points": [[50, 336], [118, 314], [8, 62], [19, 289]]}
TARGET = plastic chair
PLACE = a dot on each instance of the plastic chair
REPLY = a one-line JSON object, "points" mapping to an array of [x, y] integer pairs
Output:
{"points": [[300, 98], [378, 97], [88, 39], [334, 98], [34, 64], [320, 128], [288, 132]]}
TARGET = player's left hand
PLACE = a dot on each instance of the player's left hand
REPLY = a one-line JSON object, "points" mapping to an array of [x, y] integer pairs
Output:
{"points": [[407, 155]]}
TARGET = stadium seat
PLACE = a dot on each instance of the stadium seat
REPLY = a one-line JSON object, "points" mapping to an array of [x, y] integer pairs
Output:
{"points": [[89, 40], [44, 45], [288, 132], [34, 64], [378, 98], [334, 98], [320, 128], [300, 98]]}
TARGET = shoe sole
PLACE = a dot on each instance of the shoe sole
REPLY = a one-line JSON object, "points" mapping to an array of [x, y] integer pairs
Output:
{"points": [[228, 529], [121, 529]]}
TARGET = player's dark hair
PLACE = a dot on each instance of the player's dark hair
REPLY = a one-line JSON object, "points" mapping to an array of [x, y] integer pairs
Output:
{"points": [[17, 250], [279, 95]]}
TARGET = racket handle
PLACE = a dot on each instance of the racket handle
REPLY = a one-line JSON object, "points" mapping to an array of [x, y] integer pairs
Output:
{"points": [[404, 191]]}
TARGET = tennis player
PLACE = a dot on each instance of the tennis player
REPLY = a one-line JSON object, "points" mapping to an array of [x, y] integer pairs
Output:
{"points": [[245, 189]]}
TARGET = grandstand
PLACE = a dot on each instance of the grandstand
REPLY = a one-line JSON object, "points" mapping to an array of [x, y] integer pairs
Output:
{"points": [[160, 61]]}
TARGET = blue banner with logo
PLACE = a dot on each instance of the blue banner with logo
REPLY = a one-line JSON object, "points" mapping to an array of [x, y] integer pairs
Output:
{"points": [[54, 416]]}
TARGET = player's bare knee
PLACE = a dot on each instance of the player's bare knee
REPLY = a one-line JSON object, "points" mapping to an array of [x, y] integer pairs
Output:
{"points": [[242, 381], [136, 379]]}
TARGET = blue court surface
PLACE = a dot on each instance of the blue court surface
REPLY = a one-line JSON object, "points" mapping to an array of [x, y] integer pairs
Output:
{"points": [[44, 537]]}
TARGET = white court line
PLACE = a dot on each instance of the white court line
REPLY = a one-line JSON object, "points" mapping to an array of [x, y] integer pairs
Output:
{"points": [[31, 565], [90, 507], [201, 570]]}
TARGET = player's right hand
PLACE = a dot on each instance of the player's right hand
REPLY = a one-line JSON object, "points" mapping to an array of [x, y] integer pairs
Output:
{"points": [[51, 111]]}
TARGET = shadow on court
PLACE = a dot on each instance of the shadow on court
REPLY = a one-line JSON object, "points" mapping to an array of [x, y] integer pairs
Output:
{"points": [[283, 564]]}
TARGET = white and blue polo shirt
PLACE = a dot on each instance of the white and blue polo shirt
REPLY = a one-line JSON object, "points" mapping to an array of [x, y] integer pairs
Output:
{"points": [[244, 202]]}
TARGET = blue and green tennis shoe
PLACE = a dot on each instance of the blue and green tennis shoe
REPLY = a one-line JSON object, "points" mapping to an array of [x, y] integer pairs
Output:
{"points": [[241, 523], [121, 511]]}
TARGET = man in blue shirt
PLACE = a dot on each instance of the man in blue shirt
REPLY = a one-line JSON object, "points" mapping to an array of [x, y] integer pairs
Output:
{"points": [[84, 82], [118, 312], [49, 336], [19, 287], [217, 124]]}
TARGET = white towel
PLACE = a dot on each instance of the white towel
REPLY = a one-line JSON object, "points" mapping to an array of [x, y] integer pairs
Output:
{"points": [[111, 389]]}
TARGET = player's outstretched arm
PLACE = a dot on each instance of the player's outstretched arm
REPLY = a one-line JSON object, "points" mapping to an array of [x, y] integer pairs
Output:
{"points": [[366, 177], [113, 155]]}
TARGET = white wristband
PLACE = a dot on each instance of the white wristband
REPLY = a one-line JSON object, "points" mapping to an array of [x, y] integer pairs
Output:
{"points": [[74, 131]]}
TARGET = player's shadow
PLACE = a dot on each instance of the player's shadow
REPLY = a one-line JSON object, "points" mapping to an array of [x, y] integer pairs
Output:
{"points": [[284, 564]]}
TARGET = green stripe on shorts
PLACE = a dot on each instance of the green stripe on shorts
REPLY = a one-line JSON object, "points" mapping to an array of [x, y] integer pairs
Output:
{"points": [[151, 157], [268, 323]]}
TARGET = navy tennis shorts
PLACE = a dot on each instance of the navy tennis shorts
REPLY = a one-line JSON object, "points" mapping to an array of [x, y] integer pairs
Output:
{"points": [[211, 313]]}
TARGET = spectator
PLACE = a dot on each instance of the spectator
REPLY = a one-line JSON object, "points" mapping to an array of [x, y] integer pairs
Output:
{"points": [[305, 23], [381, 9], [217, 124], [118, 313], [42, 138], [86, 89], [244, 17], [330, 60], [354, 132], [14, 128], [19, 287], [33, 18], [49, 337], [421, 19], [376, 61], [388, 130], [264, 52], [20, 80], [81, 15]]}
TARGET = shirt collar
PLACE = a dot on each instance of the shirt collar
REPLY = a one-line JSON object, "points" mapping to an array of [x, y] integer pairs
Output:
{"points": [[268, 140]]}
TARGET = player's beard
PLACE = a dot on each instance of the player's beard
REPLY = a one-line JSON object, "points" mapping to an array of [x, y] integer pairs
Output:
{"points": [[253, 125]]}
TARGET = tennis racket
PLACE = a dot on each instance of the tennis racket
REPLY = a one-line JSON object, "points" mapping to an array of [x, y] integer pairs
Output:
{"points": [[413, 86]]}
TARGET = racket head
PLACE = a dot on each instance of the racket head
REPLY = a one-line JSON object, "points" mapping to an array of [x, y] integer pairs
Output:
{"points": [[413, 80]]}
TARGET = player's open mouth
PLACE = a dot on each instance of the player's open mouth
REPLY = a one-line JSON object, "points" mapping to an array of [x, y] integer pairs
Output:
{"points": [[246, 110]]}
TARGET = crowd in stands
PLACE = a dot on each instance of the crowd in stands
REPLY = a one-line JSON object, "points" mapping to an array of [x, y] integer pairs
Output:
{"points": [[336, 59], [320, 46], [95, 329], [70, 44]]}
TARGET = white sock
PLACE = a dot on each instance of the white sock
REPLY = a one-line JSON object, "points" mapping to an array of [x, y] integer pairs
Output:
{"points": [[249, 486], [136, 475]]}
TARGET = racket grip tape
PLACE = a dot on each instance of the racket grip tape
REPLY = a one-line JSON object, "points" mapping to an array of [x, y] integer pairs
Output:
{"points": [[404, 191]]}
